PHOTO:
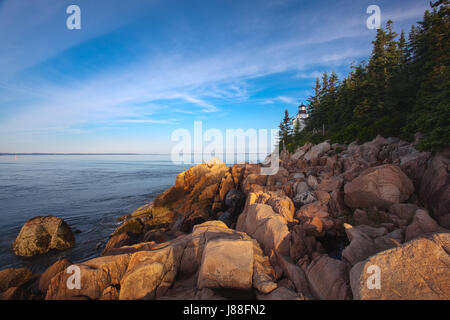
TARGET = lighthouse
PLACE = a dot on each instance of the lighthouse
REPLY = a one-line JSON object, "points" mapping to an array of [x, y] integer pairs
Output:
{"points": [[302, 114]]}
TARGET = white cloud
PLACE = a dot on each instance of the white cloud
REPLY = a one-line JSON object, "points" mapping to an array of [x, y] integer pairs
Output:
{"points": [[196, 81]]}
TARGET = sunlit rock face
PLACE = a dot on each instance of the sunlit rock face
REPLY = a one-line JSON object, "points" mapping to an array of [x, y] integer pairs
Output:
{"points": [[416, 270], [214, 255], [41, 234]]}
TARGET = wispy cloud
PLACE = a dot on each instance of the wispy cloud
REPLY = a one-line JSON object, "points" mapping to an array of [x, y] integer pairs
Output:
{"points": [[165, 121], [171, 67], [280, 99]]}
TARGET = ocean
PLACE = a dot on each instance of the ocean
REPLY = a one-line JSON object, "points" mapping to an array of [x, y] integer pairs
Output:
{"points": [[88, 191]]}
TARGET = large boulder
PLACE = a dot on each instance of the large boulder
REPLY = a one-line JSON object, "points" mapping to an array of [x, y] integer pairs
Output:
{"points": [[435, 189], [150, 273], [41, 234], [227, 264], [267, 227], [366, 241], [328, 278], [421, 225], [317, 150], [416, 270], [96, 275], [379, 186]]}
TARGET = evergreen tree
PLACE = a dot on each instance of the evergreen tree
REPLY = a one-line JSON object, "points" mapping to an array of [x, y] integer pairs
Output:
{"points": [[285, 132], [403, 89]]}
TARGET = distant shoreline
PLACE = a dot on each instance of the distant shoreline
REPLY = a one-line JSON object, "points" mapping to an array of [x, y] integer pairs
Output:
{"points": [[79, 154], [105, 154]]}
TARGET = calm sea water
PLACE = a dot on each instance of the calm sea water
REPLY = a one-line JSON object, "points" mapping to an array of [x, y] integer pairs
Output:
{"points": [[88, 191]]}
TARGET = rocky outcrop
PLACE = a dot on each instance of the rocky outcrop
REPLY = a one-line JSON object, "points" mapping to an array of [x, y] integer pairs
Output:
{"points": [[41, 234], [380, 186], [317, 229], [415, 270], [201, 193], [216, 256]]}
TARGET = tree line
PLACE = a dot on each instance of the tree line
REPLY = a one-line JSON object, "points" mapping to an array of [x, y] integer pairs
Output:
{"points": [[402, 90]]}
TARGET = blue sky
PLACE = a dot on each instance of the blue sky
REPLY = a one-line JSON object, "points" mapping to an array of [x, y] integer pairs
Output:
{"points": [[137, 70]]}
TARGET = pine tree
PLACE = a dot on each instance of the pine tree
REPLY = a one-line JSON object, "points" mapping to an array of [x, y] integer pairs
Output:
{"points": [[285, 132], [403, 89]]}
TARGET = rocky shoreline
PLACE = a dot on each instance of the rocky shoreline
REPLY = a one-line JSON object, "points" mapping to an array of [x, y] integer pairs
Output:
{"points": [[332, 218]]}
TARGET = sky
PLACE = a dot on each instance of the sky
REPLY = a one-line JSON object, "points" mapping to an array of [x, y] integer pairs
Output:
{"points": [[138, 70]]}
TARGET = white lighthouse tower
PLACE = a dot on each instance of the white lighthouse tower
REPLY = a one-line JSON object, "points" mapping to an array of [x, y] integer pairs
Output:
{"points": [[300, 118]]}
